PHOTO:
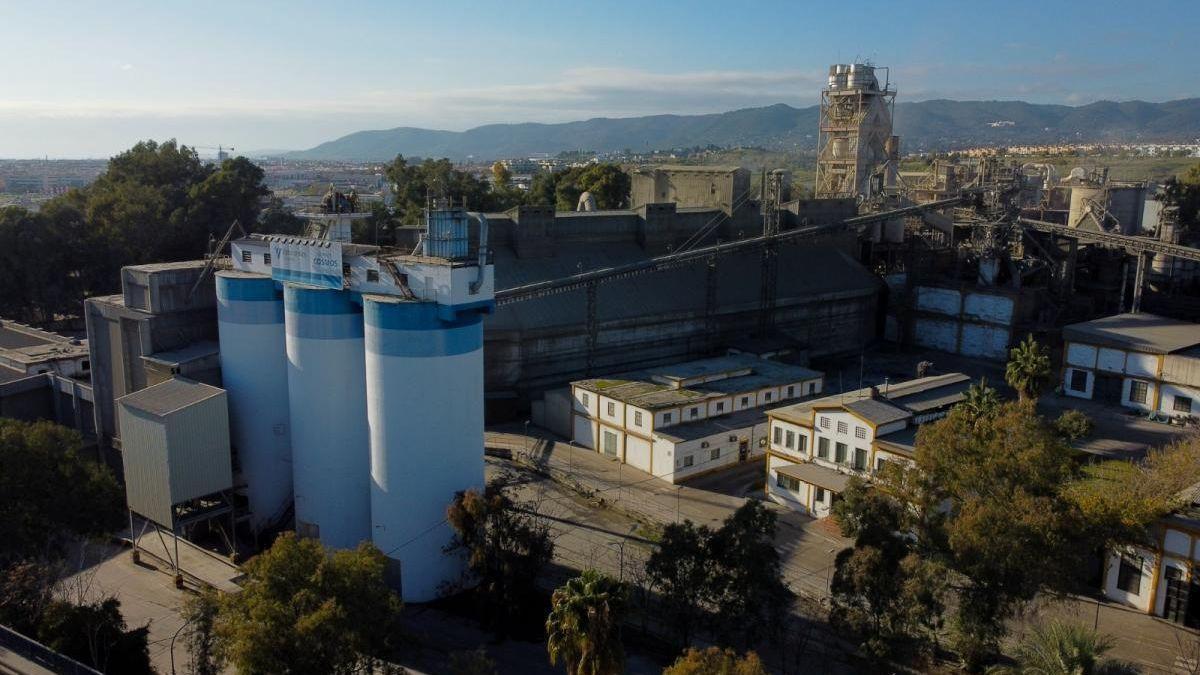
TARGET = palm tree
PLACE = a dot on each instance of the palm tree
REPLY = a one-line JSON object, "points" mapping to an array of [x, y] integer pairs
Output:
{"points": [[1028, 369], [980, 400], [1060, 648], [584, 626]]}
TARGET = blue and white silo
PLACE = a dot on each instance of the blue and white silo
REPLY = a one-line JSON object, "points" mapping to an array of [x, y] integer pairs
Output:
{"points": [[327, 396], [254, 372], [425, 406]]}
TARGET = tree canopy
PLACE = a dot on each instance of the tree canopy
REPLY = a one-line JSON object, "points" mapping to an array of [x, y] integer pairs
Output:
{"points": [[36, 460], [303, 609], [716, 661], [583, 630], [153, 203]]}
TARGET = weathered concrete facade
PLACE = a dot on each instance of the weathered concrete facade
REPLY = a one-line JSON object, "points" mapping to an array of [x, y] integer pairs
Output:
{"points": [[825, 299], [722, 187]]}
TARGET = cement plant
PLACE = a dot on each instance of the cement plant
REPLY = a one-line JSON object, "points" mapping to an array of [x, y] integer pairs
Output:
{"points": [[824, 403]]}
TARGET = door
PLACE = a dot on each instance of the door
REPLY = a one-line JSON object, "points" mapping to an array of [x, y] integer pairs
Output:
{"points": [[743, 450], [610, 444], [1107, 389], [1176, 601]]}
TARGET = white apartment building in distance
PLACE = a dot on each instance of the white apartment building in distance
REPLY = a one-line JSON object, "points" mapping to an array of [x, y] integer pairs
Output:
{"points": [[815, 446], [1141, 361], [683, 420]]}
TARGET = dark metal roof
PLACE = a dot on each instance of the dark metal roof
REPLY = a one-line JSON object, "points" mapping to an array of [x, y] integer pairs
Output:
{"points": [[814, 474], [876, 411], [1140, 332], [167, 397]]}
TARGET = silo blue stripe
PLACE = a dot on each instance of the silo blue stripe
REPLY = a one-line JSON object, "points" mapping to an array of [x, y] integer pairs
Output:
{"points": [[246, 288], [325, 326], [249, 312], [412, 316], [425, 343], [319, 301]]}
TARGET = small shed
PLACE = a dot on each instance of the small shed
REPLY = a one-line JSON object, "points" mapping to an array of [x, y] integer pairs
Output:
{"points": [[175, 446]]}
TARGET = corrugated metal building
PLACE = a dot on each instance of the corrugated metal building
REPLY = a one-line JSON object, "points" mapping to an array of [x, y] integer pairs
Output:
{"points": [[175, 443]]}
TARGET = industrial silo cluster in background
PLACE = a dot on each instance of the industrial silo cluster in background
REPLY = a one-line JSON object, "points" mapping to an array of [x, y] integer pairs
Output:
{"points": [[355, 381]]}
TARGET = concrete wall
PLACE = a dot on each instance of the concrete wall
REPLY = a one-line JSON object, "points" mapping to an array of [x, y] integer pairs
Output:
{"points": [[971, 322]]}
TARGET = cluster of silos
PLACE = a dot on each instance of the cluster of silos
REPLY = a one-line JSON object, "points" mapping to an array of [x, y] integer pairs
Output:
{"points": [[365, 411], [254, 372], [326, 380]]}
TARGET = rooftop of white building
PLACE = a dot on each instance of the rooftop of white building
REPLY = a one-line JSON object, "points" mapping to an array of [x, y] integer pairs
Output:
{"points": [[691, 381], [889, 403], [1138, 332]]}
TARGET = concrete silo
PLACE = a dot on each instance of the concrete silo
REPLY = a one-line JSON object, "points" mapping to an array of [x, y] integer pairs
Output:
{"points": [[424, 357], [327, 398], [254, 373]]}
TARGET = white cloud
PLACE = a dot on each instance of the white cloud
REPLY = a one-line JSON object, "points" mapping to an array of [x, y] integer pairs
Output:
{"points": [[126, 66]]}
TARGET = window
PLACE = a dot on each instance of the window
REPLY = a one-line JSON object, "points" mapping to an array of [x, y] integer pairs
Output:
{"points": [[372, 275], [787, 482], [843, 428], [666, 418], [860, 459], [715, 454], [803, 443], [745, 400], [703, 444], [1138, 391], [1183, 404], [767, 396], [345, 269], [694, 413], [85, 365], [1129, 576], [610, 443], [823, 447], [879, 464], [583, 398], [612, 408], [824, 422], [791, 390], [1079, 380], [688, 461], [246, 257], [778, 436], [266, 258], [812, 388], [840, 453], [819, 497], [720, 406], [860, 432], [791, 439], [637, 418]]}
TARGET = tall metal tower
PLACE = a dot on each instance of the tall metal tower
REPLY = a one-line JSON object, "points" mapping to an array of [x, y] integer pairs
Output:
{"points": [[856, 151]]}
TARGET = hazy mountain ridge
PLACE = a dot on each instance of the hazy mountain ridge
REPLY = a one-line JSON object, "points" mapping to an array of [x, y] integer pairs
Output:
{"points": [[923, 125]]}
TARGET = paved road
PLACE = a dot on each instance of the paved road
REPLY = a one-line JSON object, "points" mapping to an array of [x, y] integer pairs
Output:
{"points": [[807, 546]]}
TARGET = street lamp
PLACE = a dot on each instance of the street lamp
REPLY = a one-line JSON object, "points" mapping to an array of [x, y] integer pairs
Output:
{"points": [[527, 440]]}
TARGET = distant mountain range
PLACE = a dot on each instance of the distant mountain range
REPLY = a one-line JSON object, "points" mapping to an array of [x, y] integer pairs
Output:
{"points": [[923, 125]]}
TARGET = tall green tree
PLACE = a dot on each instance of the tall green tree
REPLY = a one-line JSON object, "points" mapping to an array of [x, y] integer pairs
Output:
{"points": [[95, 634], [36, 458], [749, 596], [1028, 369], [303, 609], [882, 590], [679, 571], [506, 548], [583, 630]]}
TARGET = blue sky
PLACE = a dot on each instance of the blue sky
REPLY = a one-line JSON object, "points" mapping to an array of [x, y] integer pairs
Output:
{"points": [[87, 79]]}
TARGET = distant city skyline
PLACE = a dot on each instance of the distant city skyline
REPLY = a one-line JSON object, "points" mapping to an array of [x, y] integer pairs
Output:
{"points": [[89, 79]]}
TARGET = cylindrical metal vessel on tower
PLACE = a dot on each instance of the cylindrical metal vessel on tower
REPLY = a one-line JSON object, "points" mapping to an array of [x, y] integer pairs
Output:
{"points": [[327, 397], [254, 372], [425, 405]]}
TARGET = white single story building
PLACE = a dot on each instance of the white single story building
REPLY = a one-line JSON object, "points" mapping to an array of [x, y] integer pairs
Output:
{"points": [[1142, 361], [815, 446], [1162, 578], [680, 421]]}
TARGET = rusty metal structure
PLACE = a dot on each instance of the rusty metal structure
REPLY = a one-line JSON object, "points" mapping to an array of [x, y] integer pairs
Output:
{"points": [[856, 152]]}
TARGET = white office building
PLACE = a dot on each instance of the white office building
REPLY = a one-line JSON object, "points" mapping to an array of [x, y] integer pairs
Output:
{"points": [[815, 446], [680, 421]]}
